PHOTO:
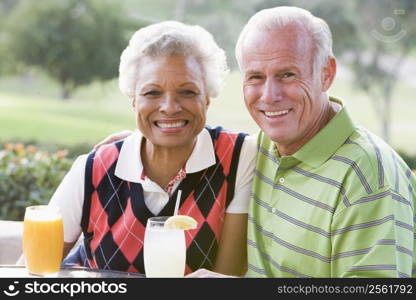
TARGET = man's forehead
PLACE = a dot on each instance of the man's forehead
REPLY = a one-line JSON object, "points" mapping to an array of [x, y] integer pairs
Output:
{"points": [[291, 37], [283, 48]]}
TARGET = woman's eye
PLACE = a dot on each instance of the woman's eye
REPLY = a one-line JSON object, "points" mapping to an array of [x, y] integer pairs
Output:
{"points": [[188, 93], [151, 94]]}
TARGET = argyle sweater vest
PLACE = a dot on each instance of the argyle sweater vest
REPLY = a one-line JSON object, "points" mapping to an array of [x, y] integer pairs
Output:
{"points": [[114, 213]]}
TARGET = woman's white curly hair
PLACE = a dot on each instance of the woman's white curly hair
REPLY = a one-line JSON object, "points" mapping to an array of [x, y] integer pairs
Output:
{"points": [[173, 38]]}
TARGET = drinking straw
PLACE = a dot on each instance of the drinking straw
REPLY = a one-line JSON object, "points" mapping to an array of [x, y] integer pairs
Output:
{"points": [[178, 200]]}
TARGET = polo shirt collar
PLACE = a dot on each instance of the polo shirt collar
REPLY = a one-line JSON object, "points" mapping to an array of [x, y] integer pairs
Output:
{"points": [[129, 165], [326, 142]]}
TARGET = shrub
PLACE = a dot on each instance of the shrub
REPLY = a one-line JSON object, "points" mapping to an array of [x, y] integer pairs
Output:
{"points": [[74, 150], [28, 177], [409, 159]]}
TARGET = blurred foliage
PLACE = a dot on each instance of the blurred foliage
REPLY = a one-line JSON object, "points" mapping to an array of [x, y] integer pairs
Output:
{"points": [[74, 41], [224, 19], [409, 159], [6, 6], [28, 177], [386, 46]]}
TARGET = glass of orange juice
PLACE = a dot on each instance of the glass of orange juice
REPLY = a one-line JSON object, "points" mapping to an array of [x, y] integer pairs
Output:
{"points": [[43, 240]]}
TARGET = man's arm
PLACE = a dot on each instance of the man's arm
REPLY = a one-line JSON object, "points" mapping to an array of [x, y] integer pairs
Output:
{"points": [[114, 138]]}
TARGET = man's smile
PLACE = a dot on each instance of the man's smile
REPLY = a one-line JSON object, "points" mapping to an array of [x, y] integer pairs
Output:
{"points": [[276, 113]]}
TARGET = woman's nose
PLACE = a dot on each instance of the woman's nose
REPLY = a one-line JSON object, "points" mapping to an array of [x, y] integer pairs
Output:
{"points": [[170, 104]]}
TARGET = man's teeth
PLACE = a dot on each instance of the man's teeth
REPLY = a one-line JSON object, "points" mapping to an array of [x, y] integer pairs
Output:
{"points": [[171, 125], [276, 113]]}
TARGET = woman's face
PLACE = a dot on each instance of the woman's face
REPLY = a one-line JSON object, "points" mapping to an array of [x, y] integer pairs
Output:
{"points": [[171, 100]]}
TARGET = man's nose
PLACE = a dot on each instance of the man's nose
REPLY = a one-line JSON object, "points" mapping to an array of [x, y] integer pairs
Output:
{"points": [[272, 91], [170, 104]]}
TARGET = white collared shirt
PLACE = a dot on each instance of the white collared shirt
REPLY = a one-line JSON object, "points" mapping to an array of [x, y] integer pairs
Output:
{"points": [[69, 196]]}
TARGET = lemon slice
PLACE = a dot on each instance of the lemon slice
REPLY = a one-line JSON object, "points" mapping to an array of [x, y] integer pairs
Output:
{"points": [[181, 222]]}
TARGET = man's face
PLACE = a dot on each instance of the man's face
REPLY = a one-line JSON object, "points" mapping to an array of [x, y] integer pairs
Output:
{"points": [[281, 92]]}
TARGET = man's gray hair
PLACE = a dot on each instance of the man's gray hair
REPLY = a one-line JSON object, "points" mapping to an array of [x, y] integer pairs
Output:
{"points": [[278, 17], [173, 38]]}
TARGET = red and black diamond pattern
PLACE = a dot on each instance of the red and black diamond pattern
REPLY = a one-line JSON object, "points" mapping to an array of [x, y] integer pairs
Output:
{"points": [[115, 214]]}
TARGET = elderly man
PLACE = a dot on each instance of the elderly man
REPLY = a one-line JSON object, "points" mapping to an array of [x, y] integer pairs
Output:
{"points": [[329, 198]]}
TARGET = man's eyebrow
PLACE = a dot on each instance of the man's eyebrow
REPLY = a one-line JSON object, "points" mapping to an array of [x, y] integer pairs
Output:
{"points": [[253, 72], [287, 69]]}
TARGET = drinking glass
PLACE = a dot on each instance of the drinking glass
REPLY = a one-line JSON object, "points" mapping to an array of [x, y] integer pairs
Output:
{"points": [[164, 249], [43, 240]]}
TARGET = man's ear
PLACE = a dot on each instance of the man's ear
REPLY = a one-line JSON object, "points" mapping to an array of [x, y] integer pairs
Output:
{"points": [[328, 73], [208, 101], [133, 104]]}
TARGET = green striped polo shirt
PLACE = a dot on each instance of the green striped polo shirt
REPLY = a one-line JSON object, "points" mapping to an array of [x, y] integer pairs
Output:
{"points": [[341, 206]]}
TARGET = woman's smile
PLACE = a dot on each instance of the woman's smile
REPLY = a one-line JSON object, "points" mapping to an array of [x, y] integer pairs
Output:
{"points": [[171, 126]]}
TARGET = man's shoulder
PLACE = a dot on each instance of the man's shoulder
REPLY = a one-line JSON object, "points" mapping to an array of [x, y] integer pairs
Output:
{"points": [[365, 147], [375, 162]]}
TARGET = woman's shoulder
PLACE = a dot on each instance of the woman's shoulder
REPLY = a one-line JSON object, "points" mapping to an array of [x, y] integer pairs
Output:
{"points": [[249, 148], [79, 162]]}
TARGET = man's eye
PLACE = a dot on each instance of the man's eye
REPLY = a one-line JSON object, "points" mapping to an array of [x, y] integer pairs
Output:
{"points": [[254, 77], [288, 75]]}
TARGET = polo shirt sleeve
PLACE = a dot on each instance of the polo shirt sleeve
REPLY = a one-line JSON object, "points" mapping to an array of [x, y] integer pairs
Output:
{"points": [[373, 237], [69, 197], [244, 177]]}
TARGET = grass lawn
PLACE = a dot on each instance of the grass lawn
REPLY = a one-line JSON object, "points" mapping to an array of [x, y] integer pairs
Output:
{"points": [[44, 117], [33, 111]]}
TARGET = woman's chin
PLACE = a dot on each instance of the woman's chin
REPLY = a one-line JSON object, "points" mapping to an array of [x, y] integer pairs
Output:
{"points": [[174, 142]]}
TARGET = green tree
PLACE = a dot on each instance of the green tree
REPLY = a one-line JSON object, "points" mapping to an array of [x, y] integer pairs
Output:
{"points": [[6, 6], [74, 41]]}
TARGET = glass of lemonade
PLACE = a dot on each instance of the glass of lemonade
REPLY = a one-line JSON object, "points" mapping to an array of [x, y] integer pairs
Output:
{"points": [[164, 249], [43, 240]]}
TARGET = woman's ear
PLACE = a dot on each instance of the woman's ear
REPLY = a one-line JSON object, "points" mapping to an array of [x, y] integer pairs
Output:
{"points": [[133, 104], [207, 101]]}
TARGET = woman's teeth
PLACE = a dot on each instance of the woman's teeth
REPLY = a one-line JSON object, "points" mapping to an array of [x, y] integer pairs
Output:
{"points": [[170, 124]]}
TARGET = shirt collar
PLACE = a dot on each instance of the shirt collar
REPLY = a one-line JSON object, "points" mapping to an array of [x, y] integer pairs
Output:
{"points": [[203, 155], [327, 141], [129, 165]]}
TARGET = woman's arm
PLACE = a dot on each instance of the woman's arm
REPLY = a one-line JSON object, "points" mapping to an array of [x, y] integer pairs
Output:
{"points": [[232, 250], [67, 248]]}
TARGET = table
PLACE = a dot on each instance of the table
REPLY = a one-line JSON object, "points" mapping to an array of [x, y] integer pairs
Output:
{"points": [[13, 271]]}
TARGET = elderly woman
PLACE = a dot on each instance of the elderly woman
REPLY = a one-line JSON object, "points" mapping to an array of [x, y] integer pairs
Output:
{"points": [[169, 71]]}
